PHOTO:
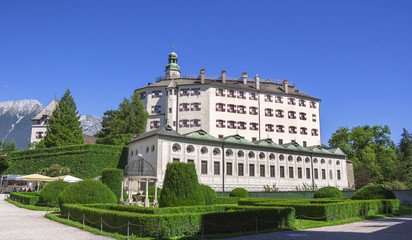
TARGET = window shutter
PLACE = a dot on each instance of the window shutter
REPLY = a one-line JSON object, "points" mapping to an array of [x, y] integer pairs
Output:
{"points": [[250, 110], [151, 124], [217, 106], [199, 106], [217, 91], [192, 92], [152, 109], [181, 123], [181, 107], [199, 122], [192, 106], [224, 92], [224, 107], [160, 94], [191, 123], [224, 123]]}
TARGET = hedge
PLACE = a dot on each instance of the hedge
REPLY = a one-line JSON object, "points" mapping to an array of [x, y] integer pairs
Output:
{"points": [[50, 193], [227, 200], [28, 198], [235, 219], [239, 192], [85, 161], [208, 194], [112, 177], [373, 192], [328, 192], [334, 210]]}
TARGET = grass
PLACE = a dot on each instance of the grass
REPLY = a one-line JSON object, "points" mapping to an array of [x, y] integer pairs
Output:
{"points": [[30, 207], [306, 224]]}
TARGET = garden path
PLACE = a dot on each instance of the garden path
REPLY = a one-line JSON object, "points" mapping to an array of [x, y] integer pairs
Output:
{"points": [[19, 223], [399, 228]]}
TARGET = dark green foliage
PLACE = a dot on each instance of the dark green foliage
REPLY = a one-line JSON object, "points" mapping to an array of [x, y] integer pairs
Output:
{"points": [[64, 127], [239, 193], [84, 161], [373, 192], [404, 161], [87, 191], [28, 198], [181, 187], [115, 139], [227, 200], [112, 177], [235, 219], [328, 209], [208, 194], [6, 147], [152, 191], [55, 170], [50, 193], [328, 192], [167, 210], [129, 118]]}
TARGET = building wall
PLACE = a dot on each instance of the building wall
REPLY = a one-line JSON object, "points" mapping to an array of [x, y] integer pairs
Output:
{"points": [[36, 129], [266, 157]]}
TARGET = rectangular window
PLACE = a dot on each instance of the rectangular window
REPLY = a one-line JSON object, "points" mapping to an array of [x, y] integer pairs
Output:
{"points": [[220, 123], [254, 126], [241, 109], [220, 107], [308, 173], [280, 141], [262, 170], [338, 174], [174, 123], [231, 124], [195, 106], [254, 139], [279, 99], [272, 171], [292, 129], [176, 159], [280, 128], [190, 161], [241, 125], [231, 108], [156, 94], [184, 123], [231, 93], [220, 136], [302, 116], [279, 113], [304, 144], [282, 171], [253, 110], [170, 110], [196, 123], [242, 95], [157, 109], [313, 117], [184, 92], [290, 172], [268, 98], [269, 112], [323, 174], [269, 128], [229, 169], [291, 101], [252, 96], [251, 170], [315, 132], [143, 95], [196, 91], [220, 92], [330, 174], [302, 103], [299, 172], [312, 104], [240, 169], [216, 168], [154, 124], [316, 173], [204, 167], [292, 115]]}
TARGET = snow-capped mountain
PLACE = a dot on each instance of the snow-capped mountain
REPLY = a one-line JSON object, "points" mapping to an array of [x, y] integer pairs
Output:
{"points": [[91, 124], [15, 121]]}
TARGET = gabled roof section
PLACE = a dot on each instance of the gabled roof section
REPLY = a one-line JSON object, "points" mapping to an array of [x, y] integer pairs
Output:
{"points": [[268, 143], [295, 147], [201, 134], [237, 139], [336, 151], [164, 131], [319, 149], [172, 84], [47, 111]]}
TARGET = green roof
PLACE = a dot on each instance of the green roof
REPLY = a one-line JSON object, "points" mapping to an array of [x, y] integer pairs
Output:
{"points": [[295, 147], [237, 139], [337, 151], [268, 143], [201, 134]]}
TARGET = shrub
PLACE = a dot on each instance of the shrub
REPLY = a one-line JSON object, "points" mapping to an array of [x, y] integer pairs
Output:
{"points": [[85, 161], [227, 200], [328, 192], [112, 177], [87, 191], [373, 192], [50, 193], [152, 191], [239, 192], [30, 198], [115, 139], [181, 187], [208, 194]]}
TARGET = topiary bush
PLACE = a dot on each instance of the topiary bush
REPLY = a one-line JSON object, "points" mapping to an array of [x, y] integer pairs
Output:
{"points": [[239, 193], [87, 191], [328, 192], [181, 186], [112, 177], [373, 192], [50, 193], [209, 194]]}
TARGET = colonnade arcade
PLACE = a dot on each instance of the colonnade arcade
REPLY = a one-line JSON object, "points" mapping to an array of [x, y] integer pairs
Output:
{"points": [[139, 173]]}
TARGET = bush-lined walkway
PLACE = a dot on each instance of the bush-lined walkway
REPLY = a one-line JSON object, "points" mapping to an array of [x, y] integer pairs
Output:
{"points": [[19, 223]]}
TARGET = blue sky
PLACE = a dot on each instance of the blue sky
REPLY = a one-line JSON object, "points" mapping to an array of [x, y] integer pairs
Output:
{"points": [[354, 55]]}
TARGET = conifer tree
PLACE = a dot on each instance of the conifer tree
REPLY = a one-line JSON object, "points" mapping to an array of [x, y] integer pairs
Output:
{"points": [[64, 127]]}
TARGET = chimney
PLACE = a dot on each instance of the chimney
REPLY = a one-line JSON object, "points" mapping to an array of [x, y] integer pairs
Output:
{"points": [[202, 76], [223, 76], [244, 76], [257, 81], [285, 86]]}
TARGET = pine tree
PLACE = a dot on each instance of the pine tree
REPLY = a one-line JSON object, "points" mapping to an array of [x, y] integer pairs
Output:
{"points": [[64, 127]]}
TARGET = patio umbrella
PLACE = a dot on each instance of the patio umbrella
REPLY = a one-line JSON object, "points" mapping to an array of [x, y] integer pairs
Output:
{"points": [[69, 178], [37, 177]]}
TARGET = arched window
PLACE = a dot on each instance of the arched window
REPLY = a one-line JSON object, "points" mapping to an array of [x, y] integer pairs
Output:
{"points": [[204, 150], [272, 156], [281, 157], [262, 156], [240, 154], [229, 153], [190, 149], [299, 159], [216, 152], [251, 154], [290, 158], [176, 147]]}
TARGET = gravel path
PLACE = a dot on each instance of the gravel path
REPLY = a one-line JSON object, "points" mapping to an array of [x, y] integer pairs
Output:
{"points": [[399, 228], [19, 223]]}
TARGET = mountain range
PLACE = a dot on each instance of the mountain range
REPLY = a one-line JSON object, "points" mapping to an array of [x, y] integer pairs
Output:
{"points": [[15, 121]]}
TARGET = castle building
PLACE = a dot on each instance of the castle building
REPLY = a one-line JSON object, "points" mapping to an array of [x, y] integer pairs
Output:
{"points": [[40, 122], [239, 132]]}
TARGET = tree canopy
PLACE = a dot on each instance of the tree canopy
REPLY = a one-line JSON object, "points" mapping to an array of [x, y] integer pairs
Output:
{"points": [[404, 164], [64, 127], [129, 118], [6, 147]]}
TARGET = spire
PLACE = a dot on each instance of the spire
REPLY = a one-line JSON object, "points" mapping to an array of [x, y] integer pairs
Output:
{"points": [[172, 69]]}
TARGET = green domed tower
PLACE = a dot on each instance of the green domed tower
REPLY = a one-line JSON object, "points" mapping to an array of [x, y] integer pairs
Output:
{"points": [[172, 69]]}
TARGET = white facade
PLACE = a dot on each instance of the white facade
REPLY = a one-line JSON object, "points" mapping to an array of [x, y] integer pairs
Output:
{"points": [[40, 122], [219, 163]]}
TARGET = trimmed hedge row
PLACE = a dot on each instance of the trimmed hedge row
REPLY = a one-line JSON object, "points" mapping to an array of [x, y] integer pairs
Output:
{"points": [[335, 210], [28, 198], [227, 200], [185, 224], [50, 193], [85, 161]]}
